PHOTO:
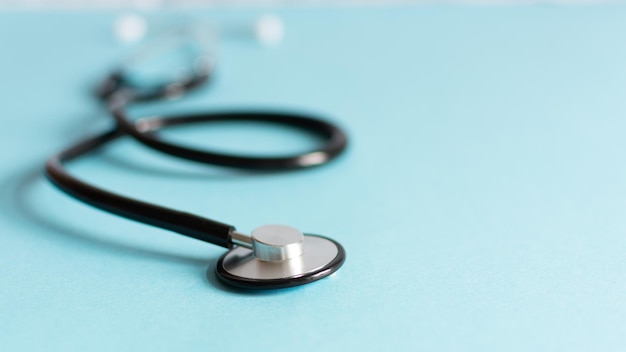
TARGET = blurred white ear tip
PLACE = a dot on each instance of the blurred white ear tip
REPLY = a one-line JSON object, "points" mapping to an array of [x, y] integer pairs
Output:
{"points": [[129, 28], [269, 29]]}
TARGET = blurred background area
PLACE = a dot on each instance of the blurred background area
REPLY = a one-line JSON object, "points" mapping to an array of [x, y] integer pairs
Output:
{"points": [[156, 4]]}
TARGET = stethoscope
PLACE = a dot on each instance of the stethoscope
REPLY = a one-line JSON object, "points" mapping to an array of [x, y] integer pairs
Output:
{"points": [[272, 256]]}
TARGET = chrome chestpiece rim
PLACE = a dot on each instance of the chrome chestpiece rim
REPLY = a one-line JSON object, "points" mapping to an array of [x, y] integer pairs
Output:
{"points": [[280, 257]]}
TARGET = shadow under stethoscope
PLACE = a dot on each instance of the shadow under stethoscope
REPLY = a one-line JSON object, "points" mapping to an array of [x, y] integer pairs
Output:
{"points": [[17, 201]]}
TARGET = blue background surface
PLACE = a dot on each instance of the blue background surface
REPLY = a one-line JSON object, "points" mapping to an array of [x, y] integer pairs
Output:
{"points": [[482, 202]]}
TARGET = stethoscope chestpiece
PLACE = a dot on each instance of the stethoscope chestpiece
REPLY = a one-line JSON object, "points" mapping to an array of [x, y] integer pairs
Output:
{"points": [[278, 256]]}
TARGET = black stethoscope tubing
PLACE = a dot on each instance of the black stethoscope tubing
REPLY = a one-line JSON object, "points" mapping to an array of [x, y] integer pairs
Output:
{"points": [[118, 94]]}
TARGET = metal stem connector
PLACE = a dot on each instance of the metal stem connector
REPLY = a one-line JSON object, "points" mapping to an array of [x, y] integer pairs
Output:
{"points": [[241, 239]]}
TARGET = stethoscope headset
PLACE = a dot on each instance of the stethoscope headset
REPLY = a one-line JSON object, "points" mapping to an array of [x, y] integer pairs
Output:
{"points": [[272, 256]]}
